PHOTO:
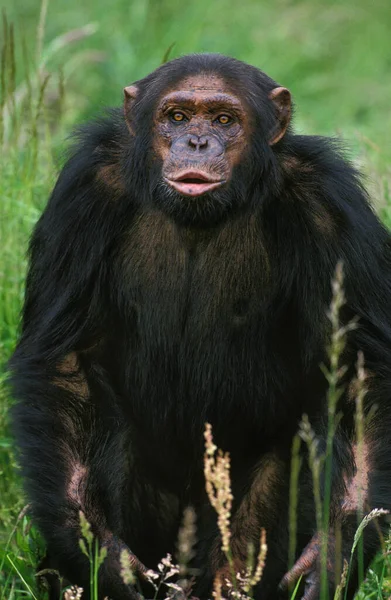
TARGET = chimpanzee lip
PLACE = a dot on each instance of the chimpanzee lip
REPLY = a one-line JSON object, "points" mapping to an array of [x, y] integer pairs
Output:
{"points": [[193, 183], [195, 177]]}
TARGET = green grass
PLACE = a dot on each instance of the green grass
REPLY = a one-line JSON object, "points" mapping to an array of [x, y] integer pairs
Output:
{"points": [[334, 56]]}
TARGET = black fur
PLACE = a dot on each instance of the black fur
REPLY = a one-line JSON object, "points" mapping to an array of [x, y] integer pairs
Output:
{"points": [[176, 323]]}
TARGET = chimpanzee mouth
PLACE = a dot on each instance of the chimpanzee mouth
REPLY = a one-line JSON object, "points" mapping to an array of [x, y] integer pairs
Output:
{"points": [[193, 183]]}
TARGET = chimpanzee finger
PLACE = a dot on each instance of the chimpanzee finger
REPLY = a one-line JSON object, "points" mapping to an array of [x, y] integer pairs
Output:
{"points": [[301, 567]]}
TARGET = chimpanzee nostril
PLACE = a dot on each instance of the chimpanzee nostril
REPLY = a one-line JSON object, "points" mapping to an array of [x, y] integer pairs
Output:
{"points": [[198, 143], [193, 141]]}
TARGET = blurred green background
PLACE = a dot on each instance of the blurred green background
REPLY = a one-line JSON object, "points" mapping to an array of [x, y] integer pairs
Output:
{"points": [[335, 56], [64, 61]]}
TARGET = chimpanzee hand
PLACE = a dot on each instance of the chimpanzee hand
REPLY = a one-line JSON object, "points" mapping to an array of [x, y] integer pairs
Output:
{"points": [[309, 566], [112, 584]]}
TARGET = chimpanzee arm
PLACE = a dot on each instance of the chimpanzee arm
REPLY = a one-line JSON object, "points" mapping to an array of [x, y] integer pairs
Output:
{"points": [[73, 459], [66, 420], [350, 232], [356, 491]]}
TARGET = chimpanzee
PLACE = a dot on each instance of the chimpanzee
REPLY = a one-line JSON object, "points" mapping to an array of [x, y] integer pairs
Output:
{"points": [[181, 274]]}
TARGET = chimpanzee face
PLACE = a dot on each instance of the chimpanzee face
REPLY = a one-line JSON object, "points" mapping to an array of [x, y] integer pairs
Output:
{"points": [[200, 134], [202, 163]]}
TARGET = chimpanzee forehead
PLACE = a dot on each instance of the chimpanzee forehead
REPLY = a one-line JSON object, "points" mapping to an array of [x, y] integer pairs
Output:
{"points": [[208, 90], [203, 82], [207, 98]]}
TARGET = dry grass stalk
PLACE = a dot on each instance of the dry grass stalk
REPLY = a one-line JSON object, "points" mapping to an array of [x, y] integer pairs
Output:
{"points": [[217, 588], [257, 575], [218, 486], [340, 587], [334, 374], [127, 574], [316, 461], [186, 540]]}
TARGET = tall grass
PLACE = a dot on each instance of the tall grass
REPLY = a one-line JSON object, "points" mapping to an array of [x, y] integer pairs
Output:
{"points": [[31, 116]]}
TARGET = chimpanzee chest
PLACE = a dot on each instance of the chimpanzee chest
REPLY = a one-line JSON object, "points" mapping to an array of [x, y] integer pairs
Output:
{"points": [[199, 346], [183, 278]]}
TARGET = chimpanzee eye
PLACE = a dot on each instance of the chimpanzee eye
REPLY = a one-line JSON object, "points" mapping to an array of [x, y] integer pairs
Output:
{"points": [[224, 119], [177, 116]]}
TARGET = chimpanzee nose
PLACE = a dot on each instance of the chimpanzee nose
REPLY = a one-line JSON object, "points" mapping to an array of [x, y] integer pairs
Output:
{"points": [[193, 147], [198, 143]]}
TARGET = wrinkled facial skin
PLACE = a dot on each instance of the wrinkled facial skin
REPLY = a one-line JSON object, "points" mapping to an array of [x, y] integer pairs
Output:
{"points": [[200, 133]]}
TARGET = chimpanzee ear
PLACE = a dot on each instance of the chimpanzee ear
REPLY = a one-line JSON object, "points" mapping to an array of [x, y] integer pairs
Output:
{"points": [[281, 98], [130, 93]]}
